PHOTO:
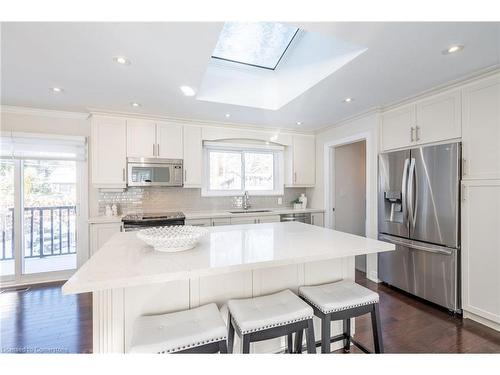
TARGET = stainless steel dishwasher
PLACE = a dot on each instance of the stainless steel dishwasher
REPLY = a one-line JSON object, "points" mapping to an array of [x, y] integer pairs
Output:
{"points": [[301, 217]]}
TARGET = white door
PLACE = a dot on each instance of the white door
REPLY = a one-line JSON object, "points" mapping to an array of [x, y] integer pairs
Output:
{"points": [[397, 128], [481, 129], [439, 118], [108, 148], [141, 138], [169, 141], [481, 248], [304, 160], [192, 156]]}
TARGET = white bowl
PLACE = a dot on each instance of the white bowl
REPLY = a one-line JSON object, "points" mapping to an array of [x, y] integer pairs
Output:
{"points": [[173, 238]]}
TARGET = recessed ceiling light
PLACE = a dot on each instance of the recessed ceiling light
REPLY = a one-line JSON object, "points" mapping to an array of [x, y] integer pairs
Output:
{"points": [[122, 60], [348, 100], [228, 115], [188, 91], [135, 104], [56, 89], [299, 123], [453, 49]]}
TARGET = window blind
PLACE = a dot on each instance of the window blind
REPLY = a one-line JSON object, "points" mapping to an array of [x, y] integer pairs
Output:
{"points": [[42, 146]]}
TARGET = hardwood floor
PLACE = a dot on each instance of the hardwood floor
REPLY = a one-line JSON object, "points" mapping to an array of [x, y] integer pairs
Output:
{"points": [[42, 320]]}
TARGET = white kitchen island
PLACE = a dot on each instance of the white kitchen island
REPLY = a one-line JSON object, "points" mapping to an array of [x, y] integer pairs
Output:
{"points": [[129, 278]]}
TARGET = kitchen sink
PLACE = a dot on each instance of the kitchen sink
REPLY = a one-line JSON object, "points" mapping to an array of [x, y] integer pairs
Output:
{"points": [[248, 211]]}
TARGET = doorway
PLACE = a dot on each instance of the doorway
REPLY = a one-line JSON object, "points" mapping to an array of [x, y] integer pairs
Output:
{"points": [[348, 172]]}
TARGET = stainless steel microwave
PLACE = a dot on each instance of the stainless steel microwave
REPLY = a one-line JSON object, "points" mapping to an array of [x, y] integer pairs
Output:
{"points": [[154, 172]]}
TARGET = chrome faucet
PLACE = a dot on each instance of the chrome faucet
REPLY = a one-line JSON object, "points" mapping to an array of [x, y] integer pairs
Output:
{"points": [[245, 201]]}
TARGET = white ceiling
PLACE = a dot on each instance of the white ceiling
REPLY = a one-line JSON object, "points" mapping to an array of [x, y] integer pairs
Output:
{"points": [[402, 59]]}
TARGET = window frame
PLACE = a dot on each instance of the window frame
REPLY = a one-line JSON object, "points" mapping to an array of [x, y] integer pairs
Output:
{"points": [[278, 169]]}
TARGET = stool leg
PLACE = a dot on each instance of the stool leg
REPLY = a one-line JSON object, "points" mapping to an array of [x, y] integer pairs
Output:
{"points": [[347, 334], [222, 347], [298, 341], [246, 344], [377, 330], [311, 343], [230, 334], [325, 334], [290, 343]]}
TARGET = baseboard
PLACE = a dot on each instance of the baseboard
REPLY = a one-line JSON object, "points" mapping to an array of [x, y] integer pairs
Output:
{"points": [[372, 276], [479, 319]]}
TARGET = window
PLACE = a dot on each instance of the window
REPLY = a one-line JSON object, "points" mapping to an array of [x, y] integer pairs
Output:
{"points": [[232, 169], [260, 44]]}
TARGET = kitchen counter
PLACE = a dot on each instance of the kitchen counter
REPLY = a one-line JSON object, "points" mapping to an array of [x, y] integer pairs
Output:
{"points": [[227, 213], [102, 219], [128, 278], [126, 261]]}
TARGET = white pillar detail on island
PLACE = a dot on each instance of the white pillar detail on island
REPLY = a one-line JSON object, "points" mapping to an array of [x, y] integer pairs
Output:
{"points": [[108, 321]]}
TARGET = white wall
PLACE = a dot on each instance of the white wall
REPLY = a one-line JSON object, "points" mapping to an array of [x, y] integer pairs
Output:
{"points": [[349, 130]]}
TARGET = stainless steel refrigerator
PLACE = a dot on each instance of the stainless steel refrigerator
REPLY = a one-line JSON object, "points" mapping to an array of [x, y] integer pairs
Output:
{"points": [[419, 211]]}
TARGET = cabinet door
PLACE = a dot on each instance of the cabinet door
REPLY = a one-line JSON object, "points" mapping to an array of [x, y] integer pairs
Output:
{"points": [[397, 128], [141, 139], [304, 160], [108, 152], [317, 219], [192, 156], [101, 233], [269, 219], [481, 129], [169, 141], [439, 118], [243, 220], [481, 248]]}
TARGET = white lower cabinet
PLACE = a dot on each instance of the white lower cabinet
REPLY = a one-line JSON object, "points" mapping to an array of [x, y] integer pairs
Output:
{"points": [[481, 251], [216, 221], [317, 218], [100, 233], [256, 219], [199, 222]]}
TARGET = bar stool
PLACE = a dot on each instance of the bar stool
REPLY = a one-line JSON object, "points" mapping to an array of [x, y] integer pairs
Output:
{"points": [[342, 300], [267, 317], [198, 330]]}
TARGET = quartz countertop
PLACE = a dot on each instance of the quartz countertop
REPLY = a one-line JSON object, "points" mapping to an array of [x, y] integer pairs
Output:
{"points": [[208, 214], [126, 261]]}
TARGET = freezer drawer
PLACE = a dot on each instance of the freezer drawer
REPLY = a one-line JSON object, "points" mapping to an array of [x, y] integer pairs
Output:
{"points": [[426, 271]]}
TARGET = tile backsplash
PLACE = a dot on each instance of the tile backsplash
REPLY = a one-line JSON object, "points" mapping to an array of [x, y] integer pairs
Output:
{"points": [[157, 199]]}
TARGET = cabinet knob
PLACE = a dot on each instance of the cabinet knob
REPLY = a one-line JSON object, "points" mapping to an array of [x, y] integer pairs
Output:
{"points": [[412, 129], [417, 138]]}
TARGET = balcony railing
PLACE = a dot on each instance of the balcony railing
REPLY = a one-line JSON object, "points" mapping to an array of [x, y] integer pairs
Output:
{"points": [[48, 231]]}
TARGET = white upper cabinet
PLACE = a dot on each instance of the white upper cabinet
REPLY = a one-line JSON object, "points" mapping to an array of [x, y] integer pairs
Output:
{"points": [[398, 127], [438, 118], [481, 129], [141, 138], [433, 119], [169, 140], [192, 156], [481, 248], [108, 152], [150, 139], [302, 161]]}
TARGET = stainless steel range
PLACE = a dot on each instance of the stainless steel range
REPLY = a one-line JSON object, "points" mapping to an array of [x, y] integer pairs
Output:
{"points": [[146, 220], [419, 211]]}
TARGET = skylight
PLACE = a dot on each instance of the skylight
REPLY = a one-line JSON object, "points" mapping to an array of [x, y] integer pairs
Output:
{"points": [[259, 44]]}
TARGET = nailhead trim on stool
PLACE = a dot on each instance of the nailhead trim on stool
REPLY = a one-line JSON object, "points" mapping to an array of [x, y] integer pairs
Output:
{"points": [[192, 345]]}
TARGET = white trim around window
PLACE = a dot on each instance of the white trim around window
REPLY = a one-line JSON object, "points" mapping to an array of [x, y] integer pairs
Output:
{"points": [[244, 149]]}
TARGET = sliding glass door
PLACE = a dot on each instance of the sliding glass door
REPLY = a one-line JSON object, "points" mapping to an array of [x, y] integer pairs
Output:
{"points": [[40, 193]]}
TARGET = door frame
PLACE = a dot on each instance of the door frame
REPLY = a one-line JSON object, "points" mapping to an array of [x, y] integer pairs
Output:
{"points": [[329, 187]]}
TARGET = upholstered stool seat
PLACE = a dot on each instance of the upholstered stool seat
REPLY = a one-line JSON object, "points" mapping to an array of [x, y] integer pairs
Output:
{"points": [[342, 295], [343, 300], [199, 330], [270, 316]]}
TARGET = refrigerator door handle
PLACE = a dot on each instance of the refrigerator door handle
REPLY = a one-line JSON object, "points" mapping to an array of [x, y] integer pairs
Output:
{"points": [[412, 213], [417, 245], [404, 187]]}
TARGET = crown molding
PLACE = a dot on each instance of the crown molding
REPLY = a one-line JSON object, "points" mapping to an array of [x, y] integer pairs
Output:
{"points": [[197, 122], [43, 112], [459, 82]]}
